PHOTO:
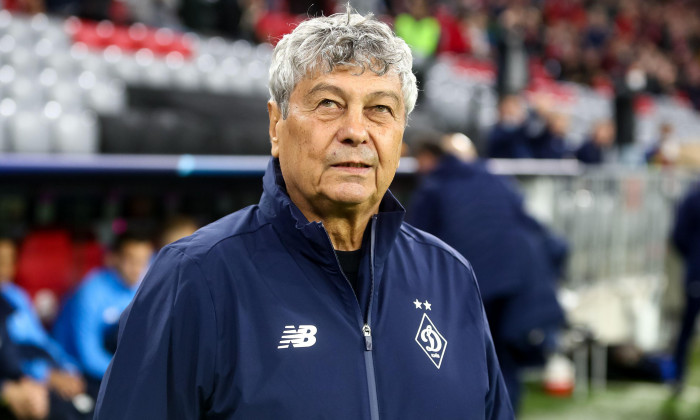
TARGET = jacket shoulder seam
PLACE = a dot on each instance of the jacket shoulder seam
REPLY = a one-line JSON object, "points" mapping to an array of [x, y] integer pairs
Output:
{"points": [[442, 248]]}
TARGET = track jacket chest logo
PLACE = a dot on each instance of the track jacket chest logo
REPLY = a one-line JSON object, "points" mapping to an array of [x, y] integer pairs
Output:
{"points": [[431, 341], [304, 336]]}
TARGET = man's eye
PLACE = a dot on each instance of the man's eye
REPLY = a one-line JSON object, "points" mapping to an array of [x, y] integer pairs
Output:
{"points": [[327, 103], [383, 108]]}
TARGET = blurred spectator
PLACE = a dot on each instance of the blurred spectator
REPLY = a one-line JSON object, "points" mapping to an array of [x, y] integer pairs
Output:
{"points": [[87, 323], [160, 13], [686, 238], [516, 260], [550, 143], [421, 31], [520, 134], [509, 138], [41, 357], [459, 145], [212, 17], [664, 151], [512, 60], [599, 148], [176, 228], [24, 397]]}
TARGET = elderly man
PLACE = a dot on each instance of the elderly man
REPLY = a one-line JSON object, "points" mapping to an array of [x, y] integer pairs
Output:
{"points": [[317, 303]]}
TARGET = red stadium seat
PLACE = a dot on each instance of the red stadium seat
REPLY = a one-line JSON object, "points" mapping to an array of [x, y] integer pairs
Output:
{"points": [[87, 255], [45, 262]]}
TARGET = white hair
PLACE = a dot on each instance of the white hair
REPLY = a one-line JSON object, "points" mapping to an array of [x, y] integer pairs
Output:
{"points": [[345, 39]]}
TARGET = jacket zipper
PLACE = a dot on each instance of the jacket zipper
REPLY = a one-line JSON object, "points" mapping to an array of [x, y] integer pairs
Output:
{"points": [[367, 332], [365, 324]]}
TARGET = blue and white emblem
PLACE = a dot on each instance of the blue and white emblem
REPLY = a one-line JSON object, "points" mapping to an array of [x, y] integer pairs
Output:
{"points": [[431, 341]]}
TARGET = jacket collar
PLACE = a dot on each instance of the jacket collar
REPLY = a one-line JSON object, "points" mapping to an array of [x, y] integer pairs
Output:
{"points": [[311, 238]]}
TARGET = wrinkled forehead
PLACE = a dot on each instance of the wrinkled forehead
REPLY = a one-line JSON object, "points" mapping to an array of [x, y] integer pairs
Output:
{"points": [[356, 76]]}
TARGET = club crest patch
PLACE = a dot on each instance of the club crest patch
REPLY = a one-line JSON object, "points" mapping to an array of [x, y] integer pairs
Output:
{"points": [[431, 341]]}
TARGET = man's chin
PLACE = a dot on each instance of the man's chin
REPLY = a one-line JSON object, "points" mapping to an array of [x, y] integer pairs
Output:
{"points": [[354, 198]]}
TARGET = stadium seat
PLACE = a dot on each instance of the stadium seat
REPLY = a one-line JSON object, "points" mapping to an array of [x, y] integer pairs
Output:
{"points": [[29, 132], [67, 94], [185, 76], [107, 97], [76, 133], [157, 74], [87, 255], [45, 262], [25, 92], [123, 133]]}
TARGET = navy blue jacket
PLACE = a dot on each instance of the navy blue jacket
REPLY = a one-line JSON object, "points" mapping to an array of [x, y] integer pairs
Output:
{"points": [[252, 318], [483, 217], [510, 142], [686, 233], [590, 153]]}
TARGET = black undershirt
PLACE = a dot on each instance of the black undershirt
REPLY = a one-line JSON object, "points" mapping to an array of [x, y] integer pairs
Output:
{"points": [[350, 264]]}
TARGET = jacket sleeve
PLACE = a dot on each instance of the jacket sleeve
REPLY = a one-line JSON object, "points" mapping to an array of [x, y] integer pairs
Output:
{"points": [[683, 229], [164, 365], [498, 405]]}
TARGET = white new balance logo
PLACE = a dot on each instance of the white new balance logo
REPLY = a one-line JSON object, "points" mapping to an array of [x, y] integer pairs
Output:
{"points": [[305, 336]]}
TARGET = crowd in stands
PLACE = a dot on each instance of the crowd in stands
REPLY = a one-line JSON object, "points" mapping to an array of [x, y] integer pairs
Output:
{"points": [[54, 367], [592, 42]]}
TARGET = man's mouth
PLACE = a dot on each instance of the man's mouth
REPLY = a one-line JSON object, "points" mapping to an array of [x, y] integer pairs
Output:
{"points": [[351, 165]]}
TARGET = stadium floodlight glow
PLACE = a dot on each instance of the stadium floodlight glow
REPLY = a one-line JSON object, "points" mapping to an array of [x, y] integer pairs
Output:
{"points": [[8, 107], [144, 57], [7, 74], [7, 44], [52, 110], [112, 54], [174, 60], [87, 80], [105, 29], [79, 51], [48, 77], [43, 48], [39, 22]]}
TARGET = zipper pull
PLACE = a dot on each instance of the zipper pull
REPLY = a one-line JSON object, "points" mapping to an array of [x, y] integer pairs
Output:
{"points": [[367, 332]]}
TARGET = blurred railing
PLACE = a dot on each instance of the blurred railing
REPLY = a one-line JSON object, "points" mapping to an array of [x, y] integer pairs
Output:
{"points": [[617, 221]]}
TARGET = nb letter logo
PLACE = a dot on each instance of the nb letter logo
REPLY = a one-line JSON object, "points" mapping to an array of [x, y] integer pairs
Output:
{"points": [[305, 336]]}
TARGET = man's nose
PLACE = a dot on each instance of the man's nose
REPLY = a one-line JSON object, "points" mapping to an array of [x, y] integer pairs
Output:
{"points": [[353, 130]]}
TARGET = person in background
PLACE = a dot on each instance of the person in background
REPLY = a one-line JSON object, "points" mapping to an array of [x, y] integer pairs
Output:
{"points": [[29, 387], [686, 238], [550, 142], [664, 151], [599, 147], [510, 137], [517, 260], [42, 358], [21, 397], [176, 228], [421, 31], [85, 325]]}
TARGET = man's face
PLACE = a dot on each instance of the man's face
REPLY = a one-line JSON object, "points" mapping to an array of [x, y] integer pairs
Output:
{"points": [[340, 145], [132, 260], [8, 260]]}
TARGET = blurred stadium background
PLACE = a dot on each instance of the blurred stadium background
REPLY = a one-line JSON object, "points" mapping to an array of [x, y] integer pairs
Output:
{"points": [[122, 114]]}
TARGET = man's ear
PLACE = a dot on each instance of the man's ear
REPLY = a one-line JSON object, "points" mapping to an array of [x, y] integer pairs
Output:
{"points": [[273, 111]]}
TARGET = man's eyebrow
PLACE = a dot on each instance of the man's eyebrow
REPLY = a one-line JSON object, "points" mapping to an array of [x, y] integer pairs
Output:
{"points": [[321, 87], [384, 93], [325, 87]]}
